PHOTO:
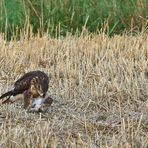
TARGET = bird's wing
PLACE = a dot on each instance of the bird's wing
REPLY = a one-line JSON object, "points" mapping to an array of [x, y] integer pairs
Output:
{"points": [[24, 82]]}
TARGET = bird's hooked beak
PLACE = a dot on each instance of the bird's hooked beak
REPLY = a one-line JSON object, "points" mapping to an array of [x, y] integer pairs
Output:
{"points": [[41, 94]]}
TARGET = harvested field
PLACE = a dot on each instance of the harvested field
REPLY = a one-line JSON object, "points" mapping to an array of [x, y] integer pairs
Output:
{"points": [[99, 86]]}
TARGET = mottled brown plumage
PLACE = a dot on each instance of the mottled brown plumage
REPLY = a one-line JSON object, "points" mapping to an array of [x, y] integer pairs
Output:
{"points": [[32, 85]]}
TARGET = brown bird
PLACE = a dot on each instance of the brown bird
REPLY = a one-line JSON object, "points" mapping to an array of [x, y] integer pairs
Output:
{"points": [[31, 85]]}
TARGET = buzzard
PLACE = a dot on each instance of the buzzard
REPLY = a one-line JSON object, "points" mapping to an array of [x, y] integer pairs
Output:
{"points": [[30, 86]]}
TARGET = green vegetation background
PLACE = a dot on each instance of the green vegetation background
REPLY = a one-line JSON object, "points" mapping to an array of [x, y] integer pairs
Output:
{"points": [[62, 16]]}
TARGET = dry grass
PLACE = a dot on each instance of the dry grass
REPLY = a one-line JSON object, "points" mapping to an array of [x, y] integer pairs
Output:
{"points": [[99, 86]]}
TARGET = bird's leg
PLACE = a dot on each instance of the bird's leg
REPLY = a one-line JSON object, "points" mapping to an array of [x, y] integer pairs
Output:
{"points": [[27, 99]]}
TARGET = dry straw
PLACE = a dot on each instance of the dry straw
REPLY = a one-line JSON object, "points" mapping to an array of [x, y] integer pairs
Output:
{"points": [[99, 85]]}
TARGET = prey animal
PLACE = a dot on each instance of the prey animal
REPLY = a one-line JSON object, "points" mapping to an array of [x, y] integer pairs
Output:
{"points": [[29, 87], [41, 104]]}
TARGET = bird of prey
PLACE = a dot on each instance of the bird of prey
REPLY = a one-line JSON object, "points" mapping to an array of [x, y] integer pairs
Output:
{"points": [[30, 86]]}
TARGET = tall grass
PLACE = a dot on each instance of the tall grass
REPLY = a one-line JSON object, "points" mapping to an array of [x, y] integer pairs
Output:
{"points": [[60, 17]]}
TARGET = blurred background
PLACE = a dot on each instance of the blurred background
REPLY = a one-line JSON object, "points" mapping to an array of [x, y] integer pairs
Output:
{"points": [[59, 17]]}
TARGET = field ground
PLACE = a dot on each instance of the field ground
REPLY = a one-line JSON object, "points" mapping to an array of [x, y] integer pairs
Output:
{"points": [[99, 86]]}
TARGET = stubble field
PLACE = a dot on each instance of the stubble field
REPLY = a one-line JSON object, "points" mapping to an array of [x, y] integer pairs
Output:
{"points": [[99, 86]]}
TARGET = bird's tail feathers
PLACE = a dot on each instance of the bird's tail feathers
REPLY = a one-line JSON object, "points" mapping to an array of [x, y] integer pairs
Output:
{"points": [[9, 93]]}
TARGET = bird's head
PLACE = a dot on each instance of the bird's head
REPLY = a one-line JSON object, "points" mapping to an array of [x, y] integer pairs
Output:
{"points": [[36, 87]]}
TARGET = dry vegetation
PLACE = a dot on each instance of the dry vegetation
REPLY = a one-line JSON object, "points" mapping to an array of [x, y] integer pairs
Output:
{"points": [[99, 86]]}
